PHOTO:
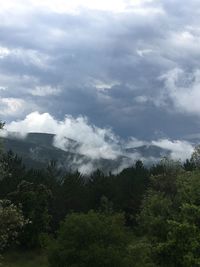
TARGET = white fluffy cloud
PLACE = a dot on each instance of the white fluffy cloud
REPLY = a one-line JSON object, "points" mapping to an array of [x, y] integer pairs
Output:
{"points": [[143, 52], [45, 91], [183, 89], [10, 106], [180, 150], [185, 42], [34, 122], [94, 142], [4, 52], [26, 57], [68, 6]]}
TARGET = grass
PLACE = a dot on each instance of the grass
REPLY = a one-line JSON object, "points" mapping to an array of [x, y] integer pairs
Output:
{"points": [[25, 259]]}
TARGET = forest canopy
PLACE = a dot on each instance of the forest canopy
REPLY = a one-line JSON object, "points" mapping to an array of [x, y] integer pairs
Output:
{"points": [[142, 216]]}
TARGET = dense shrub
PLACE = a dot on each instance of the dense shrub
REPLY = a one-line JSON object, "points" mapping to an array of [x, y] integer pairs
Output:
{"points": [[170, 219], [34, 199], [92, 239], [11, 223]]}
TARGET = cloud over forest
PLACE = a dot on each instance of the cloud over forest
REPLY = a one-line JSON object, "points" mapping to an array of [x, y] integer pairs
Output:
{"points": [[94, 142]]}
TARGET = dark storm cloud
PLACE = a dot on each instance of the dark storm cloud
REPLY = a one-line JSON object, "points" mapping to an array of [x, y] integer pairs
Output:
{"points": [[106, 66]]}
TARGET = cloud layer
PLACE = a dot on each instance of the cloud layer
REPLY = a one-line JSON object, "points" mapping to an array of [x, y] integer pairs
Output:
{"points": [[94, 142], [129, 65]]}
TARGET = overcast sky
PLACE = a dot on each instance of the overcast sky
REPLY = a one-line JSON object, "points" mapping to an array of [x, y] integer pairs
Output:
{"points": [[129, 66]]}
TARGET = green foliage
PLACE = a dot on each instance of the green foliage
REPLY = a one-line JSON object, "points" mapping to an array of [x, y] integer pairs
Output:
{"points": [[34, 200], [73, 192], [92, 239], [11, 223], [141, 253], [14, 172], [131, 185], [98, 186], [106, 206], [170, 219], [17, 258], [195, 158], [189, 165], [161, 207], [125, 191]]}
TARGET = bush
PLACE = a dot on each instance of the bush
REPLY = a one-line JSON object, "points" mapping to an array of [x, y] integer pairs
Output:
{"points": [[92, 239], [34, 200], [170, 219], [11, 223]]}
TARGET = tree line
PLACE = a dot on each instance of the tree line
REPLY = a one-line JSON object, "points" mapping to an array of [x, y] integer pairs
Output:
{"points": [[139, 217]]}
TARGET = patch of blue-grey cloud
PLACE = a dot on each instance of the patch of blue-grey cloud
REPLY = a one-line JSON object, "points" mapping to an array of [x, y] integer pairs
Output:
{"points": [[114, 68]]}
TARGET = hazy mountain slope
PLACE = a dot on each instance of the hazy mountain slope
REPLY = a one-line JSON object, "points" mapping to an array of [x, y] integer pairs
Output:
{"points": [[37, 150]]}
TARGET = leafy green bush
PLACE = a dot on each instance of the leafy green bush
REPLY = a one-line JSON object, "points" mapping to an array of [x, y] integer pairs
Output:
{"points": [[92, 239], [34, 199], [170, 219], [11, 223]]}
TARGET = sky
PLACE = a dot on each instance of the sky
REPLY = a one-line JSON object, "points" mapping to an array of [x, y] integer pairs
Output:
{"points": [[102, 71]]}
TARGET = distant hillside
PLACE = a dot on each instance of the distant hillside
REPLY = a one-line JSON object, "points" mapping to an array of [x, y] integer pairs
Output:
{"points": [[37, 150], [148, 151]]}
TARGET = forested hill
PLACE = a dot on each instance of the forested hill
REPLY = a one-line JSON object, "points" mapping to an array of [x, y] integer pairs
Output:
{"points": [[142, 216], [38, 149]]}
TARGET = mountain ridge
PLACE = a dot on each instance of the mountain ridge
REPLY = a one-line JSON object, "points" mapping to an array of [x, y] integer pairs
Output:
{"points": [[38, 149]]}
